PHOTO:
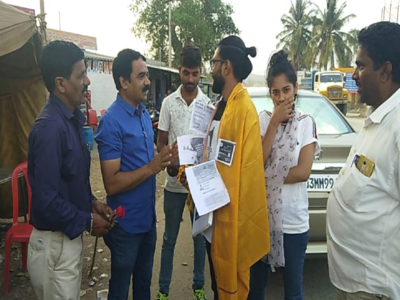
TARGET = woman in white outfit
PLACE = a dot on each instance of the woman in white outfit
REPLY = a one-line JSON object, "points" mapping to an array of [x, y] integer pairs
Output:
{"points": [[289, 145]]}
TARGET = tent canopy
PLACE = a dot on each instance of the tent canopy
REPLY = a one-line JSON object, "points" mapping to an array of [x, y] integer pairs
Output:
{"points": [[22, 91], [16, 28]]}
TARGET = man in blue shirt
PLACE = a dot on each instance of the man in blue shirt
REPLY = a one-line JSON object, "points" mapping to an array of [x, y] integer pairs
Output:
{"points": [[63, 206], [128, 164]]}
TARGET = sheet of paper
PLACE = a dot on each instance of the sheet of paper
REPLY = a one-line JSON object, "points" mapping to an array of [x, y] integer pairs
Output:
{"points": [[201, 117], [225, 151], [191, 149], [201, 223], [207, 187]]}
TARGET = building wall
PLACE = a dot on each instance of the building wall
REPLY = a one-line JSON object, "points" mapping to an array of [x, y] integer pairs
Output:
{"points": [[103, 90]]}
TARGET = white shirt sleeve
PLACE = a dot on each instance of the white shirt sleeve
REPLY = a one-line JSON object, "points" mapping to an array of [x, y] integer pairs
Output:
{"points": [[310, 134], [264, 119], [164, 120]]}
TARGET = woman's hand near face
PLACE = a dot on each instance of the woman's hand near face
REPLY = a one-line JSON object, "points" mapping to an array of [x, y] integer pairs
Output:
{"points": [[283, 111]]}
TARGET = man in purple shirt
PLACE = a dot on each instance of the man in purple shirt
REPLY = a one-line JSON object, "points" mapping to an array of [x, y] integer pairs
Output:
{"points": [[63, 206]]}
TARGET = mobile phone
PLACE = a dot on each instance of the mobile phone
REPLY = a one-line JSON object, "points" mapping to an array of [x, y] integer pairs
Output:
{"points": [[365, 165]]}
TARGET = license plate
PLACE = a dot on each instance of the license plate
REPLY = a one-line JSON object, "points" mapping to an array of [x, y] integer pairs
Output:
{"points": [[321, 183]]}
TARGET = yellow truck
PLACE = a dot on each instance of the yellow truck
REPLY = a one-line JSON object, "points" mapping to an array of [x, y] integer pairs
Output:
{"points": [[330, 84]]}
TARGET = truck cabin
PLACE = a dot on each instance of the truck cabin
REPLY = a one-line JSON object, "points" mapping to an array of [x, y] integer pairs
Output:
{"points": [[328, 77]]}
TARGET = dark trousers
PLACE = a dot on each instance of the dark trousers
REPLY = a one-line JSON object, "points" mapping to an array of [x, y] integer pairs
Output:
{"points": [[295, 246], [131, 254], [212, 274], [174, 205]]}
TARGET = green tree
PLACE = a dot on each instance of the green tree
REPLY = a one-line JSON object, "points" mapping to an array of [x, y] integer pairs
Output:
{"points": [[352, 40], [329, 44], [203, 22], [346, 56], [297, 32]]}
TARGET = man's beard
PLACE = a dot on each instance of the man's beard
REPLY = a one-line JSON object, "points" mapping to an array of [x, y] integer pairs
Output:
{"points": [[362, 96], [190, 88], [218, 84]]}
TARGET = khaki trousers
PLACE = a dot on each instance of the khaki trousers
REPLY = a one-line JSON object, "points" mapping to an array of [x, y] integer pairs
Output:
{"points": [[341, 295], [55, 265]]}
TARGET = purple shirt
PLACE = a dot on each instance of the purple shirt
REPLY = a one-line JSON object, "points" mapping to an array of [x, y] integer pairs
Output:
{"points": [[59, 170]]}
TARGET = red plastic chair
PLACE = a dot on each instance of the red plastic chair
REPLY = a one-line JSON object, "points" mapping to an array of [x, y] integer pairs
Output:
{"points": [[19, 232], [93, 118]]}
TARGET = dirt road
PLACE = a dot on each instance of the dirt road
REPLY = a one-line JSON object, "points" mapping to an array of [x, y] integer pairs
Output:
{"points": [[20, 288]]}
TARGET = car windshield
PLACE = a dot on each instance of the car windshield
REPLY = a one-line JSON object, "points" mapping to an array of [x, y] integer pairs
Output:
{"points": [[331, 78], [327, 118]]}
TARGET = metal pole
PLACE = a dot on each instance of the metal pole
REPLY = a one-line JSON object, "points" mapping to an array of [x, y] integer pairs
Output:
{"points": [[169, 35], [42, 7], [59, 20], [384, 13], [42, 19]]}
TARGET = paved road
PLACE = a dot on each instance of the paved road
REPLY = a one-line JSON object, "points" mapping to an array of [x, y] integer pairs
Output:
{"points": [[357, 123], [316, 280], [316, 283]]}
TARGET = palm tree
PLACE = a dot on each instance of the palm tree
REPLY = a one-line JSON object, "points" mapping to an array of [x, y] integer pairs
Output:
{"points": [[352, 40], [297, 32], [346, 58], [328, 43]]}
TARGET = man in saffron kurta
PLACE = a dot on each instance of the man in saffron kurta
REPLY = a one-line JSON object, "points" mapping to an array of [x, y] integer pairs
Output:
{"points": [[240, 234]]}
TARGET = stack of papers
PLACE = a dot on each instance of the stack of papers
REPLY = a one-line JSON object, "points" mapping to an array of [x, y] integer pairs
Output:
{"points": [[201, 224], [207, 188], [209, 193]]}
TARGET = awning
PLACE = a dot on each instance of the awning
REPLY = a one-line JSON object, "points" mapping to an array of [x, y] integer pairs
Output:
{"points": [[150, 63], [16, 28], [92, 55]]}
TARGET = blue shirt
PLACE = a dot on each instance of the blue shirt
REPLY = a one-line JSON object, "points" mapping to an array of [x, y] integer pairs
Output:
{"points": [[126, 132], [59, 170]]}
